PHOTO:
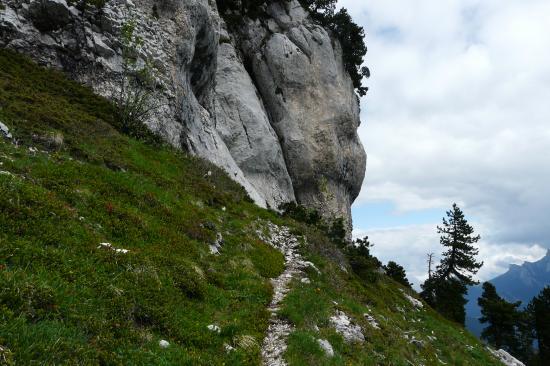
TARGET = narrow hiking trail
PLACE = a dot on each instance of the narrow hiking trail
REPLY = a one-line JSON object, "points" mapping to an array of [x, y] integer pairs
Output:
{"points": [[275, 341]]}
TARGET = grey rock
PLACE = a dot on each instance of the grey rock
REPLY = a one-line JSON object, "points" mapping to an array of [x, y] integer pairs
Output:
{"points": [[243, 124], [216, 245], [101, 48], [326, 347], [4, 130], [343, 325], [49, 15], [506, 358], [314, 110]]}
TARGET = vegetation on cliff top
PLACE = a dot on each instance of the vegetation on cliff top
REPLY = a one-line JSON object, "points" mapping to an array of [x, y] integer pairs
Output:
{"points": [[350, 35], [72, 181]]}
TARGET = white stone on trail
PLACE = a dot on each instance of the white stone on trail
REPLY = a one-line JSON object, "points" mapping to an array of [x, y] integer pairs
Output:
{"points": [[506, 358], [343, 325], [326, 346], [274, 344]]}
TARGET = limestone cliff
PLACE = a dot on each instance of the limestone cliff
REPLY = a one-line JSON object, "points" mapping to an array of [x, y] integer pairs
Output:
{"points": [[268, 100]]}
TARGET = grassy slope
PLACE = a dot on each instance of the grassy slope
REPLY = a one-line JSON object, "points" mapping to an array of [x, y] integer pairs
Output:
{"points": [[64, 301]]}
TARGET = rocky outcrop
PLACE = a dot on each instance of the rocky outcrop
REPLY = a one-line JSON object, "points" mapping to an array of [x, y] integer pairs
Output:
{"points": [[243, 124], [314, 110], [269, 101]]}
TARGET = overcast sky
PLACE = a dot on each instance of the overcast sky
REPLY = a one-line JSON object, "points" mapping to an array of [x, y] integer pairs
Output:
{"points": [[458, 111]]}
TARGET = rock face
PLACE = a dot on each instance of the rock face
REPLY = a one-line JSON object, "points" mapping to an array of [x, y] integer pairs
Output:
{"points": [[268, 101], [314, 110]]}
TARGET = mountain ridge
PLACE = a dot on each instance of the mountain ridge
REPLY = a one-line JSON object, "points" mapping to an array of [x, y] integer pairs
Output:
{"points": [[519, 283]]}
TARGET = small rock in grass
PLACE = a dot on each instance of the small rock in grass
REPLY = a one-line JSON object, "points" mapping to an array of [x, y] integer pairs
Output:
{"points": [[5, 131], [217, 244], [164, 344], [418, 343], [111, 247], [326, 347], [506, 358], [416, 303], [305, 280], [228, 348], [214, 328], [343, 325], [372, 321]]}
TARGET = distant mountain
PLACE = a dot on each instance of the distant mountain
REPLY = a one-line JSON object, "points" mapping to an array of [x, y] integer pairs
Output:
{"points": [[520, 283]]}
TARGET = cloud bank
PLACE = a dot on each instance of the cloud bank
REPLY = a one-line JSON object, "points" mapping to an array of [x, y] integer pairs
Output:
{"points": [[458, 111]]}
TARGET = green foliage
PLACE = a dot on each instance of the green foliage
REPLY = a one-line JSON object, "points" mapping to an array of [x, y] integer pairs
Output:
{"points": [[501, 318], [189, 279], [446, 288], [397, 273], [352, 40], [539, 308], [334, 230], [309, 307], [350, 35], [63, 300], [134, 99], [301, 213], [362, 262]]}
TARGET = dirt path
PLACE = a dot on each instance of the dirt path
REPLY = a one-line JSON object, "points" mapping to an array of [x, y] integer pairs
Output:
{"points": [[274, 344]]}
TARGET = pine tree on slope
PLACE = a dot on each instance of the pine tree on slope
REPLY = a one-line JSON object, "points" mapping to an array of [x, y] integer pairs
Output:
{"points": [[501, 318], [540, 308], [397, 273], [446, 288]]}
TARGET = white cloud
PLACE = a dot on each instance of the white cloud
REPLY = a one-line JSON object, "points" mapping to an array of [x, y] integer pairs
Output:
{"points": [[458, 111]]}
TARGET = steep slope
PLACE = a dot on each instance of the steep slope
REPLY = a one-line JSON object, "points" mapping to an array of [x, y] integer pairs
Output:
{"points": [[285, 128], [519, 283], [116, 251]]}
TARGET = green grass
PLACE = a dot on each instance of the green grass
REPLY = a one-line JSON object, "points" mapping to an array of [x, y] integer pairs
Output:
{"points": [[64, 301], [309, 306]]}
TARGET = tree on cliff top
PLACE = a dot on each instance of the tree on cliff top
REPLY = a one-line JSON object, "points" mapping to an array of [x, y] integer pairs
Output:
{"points": [[446, 288], [341, 24]]}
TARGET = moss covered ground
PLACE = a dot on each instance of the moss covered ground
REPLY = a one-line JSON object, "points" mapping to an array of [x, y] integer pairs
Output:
{"points": [[72, 181]]}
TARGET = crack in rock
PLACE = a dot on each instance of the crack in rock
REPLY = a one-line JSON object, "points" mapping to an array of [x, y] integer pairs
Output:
{"points": [[274, 344]]}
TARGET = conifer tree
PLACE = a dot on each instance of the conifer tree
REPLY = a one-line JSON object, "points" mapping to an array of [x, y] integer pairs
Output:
{"points": [[501, 317], [525, 335], [397, 273], [540, 309], [446, 288]]}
